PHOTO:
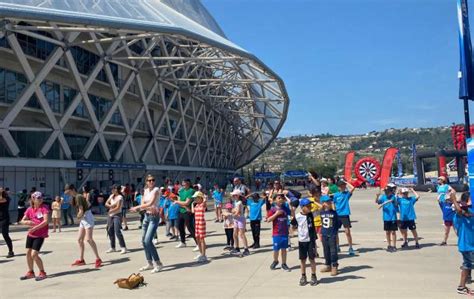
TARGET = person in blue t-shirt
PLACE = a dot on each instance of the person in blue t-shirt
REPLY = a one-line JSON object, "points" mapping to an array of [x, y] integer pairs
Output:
{"points": [[255, 205], [66, 208], [406, 205], [341, 201], [218, 196], [464, 224], [388, 203], [173, 215], [444, 190]]}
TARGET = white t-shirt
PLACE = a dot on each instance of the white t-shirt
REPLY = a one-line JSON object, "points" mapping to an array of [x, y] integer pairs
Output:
{"points": [[149, 195], [115, 200], [303, 227], [239, 207]]}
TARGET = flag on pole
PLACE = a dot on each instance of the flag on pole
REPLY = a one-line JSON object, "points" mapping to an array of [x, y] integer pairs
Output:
{"points": [[466, 75], [399, 165], [413, 156]]}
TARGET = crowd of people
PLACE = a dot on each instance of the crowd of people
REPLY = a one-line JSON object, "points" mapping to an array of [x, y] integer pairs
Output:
{"points": [[317, 212]]}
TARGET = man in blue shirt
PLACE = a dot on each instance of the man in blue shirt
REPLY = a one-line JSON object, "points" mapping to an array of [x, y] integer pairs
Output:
{"points": [[255, 207], [341, 201], [66, 208], [464, 224], [388, 203], [406, 205]]}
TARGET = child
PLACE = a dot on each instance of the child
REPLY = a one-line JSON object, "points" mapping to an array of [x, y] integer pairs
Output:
{"points": [[199, 210], [464, 224], [307, 240], [173, 214], [255, 215], [239, 223], [218, 196], [330, 225], [56, 215], [315, 199], [229, 226], [406, 205], [279, 216], [388, 203], [341, 201], [444, 190], [36, 216]]}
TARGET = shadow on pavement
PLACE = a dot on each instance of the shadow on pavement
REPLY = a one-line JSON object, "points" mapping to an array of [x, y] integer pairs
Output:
{"points": [[5, 261], [116, 261], [366, 250], [349, 269], [71, 272], [339, 278], [184, 265]]}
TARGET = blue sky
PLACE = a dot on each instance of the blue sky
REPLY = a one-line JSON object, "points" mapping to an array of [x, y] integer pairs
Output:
{"points": [[353, 66]]}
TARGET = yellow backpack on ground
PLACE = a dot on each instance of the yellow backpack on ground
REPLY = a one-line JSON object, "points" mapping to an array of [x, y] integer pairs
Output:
{"points": [[132, 282]]}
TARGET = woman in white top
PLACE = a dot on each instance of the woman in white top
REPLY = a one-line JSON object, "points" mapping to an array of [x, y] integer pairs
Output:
{"points": [[114, 221], [149, 204]]}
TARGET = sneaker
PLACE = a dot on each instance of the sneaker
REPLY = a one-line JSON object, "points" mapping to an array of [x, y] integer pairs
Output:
{"points": [[246, 252], [123, 251], [98, 263], [404, 245], [78, 263], [196, 249], [10, 254], [284, 267], [351, 252], [197, 257], [126, 228], [139, 227], [394, 249], [464, 291], [274, 265], [314, 280], [303, 280], [169, 234], [173, 237], [417, 246], [181, 245], [146, 268], [227, 247], [202, 259], [443, 244], [157, 268], [334, 271], [28, 275], [111, 250], [155, 242], [189, 236], [42, 275], [326, 269], [389, 248], [235, 251]]}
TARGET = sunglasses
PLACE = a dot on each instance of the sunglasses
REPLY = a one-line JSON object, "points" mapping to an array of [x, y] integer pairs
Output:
{"points": [[151, 180]]}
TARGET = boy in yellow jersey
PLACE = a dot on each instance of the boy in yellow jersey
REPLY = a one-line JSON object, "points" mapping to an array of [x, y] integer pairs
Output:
{"points": [[314, 198]]}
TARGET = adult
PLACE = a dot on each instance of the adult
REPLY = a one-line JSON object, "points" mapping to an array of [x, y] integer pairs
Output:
{"points": [[126, 204], [238, 185], [22, 201], [66, 209], [86, 224], [185, 201], [149, 204], [443, 189], [114, 221], [5, 221]]}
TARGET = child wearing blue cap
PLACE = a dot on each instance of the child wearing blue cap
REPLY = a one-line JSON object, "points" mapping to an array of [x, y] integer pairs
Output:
{"points": [[331, 225], [304, 220]]}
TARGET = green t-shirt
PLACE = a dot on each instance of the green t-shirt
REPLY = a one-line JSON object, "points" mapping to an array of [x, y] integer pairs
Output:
{"points": [[184, 194], [82, 202], [333, 188]]}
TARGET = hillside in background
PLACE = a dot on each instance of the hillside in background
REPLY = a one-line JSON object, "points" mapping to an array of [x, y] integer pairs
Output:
{"points": [[325, 153]]}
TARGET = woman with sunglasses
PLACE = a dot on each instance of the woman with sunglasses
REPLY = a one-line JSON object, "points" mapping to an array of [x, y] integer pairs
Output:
{"points": [[149, 204], [114, 221]]}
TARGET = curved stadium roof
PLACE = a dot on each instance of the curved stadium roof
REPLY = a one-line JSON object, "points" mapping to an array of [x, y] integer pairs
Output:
{"points": [[239, 86]]}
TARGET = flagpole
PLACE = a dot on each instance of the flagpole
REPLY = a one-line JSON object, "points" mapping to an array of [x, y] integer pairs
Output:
{"points": [[467, 122]]}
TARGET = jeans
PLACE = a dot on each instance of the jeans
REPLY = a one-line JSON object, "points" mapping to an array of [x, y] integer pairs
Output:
{"points": [[255, 226], [114, 228], [67, 213], [149, 226], [185, 219], [102, 209], [5, 226], [330, 250]]}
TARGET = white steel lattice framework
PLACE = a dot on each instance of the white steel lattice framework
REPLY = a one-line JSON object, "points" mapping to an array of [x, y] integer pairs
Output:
{"points": [[234, 105]]}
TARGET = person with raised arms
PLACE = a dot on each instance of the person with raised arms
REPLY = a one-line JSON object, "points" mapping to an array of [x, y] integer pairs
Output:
{"points": [[388, 203], [406, 205], [114, 221], [341, 201], [443, 190]]}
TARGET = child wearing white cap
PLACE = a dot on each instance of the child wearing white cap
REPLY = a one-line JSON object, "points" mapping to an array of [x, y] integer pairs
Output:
{"points": [[406, 205]]}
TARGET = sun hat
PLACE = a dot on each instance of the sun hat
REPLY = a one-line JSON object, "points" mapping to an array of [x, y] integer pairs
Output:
{"points": [[37, 195], [404, 190], [198, 194]]}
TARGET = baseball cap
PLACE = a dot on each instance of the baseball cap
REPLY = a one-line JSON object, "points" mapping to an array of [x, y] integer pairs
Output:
{"points": [[228, 205], [341, 183], [304, 202], [324, 180], [198, 194], [325, 198], [404, 190], [391, 185], [37, 195], [236, 192]]}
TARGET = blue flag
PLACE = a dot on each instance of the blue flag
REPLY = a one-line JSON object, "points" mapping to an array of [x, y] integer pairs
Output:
{"points": [[466, 76], [399, 164], [413, 156]]}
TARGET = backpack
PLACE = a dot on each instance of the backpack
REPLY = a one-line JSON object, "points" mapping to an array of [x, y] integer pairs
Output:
{"points": [[132, 282]]}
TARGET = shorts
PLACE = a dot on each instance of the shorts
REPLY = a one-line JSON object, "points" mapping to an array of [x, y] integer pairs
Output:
{"points": [[467, 260], [124, 212], [318, 229], [218, 205], [280, 242], [173, 223], [345, 221], [87, 220], [390, 226], [448, 223], [34, 243], [239, 222], [307, 250], [410, 224]]}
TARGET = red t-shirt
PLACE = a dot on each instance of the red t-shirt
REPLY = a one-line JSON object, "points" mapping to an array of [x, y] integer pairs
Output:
{"points": [[37, 216], [280, 224]]}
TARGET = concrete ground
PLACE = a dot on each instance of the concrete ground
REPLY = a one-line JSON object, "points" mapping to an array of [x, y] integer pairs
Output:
{"points": [[431, 272]]}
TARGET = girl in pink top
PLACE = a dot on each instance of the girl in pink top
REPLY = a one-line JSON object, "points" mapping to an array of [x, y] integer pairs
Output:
{"points": [[36, 217]]}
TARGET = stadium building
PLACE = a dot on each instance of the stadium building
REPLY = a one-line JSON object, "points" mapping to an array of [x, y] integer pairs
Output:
{"points": [[103, 91]]}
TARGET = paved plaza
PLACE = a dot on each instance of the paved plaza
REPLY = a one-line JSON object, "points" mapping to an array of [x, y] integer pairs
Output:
{"points": [[431, 272]]}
